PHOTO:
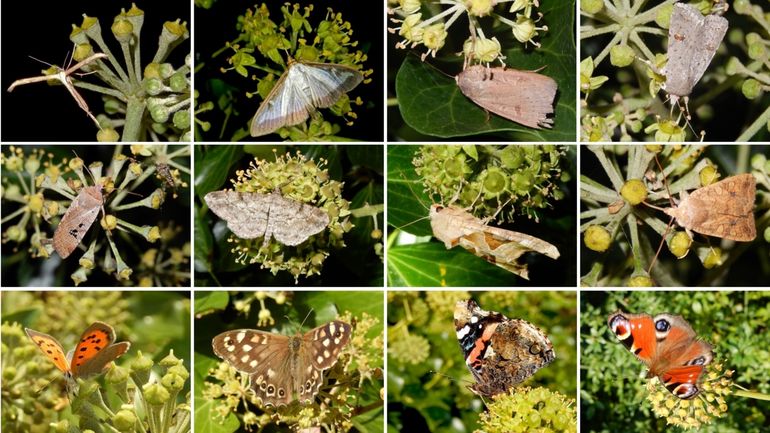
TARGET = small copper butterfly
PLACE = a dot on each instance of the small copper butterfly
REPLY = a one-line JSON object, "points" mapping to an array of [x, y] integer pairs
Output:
{"points": [[93, 353]]}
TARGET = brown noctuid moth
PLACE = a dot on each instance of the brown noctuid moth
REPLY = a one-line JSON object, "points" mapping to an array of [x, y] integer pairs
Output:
{"points": [[455, 226], [521, 96], [77, 220], [724, 209]]}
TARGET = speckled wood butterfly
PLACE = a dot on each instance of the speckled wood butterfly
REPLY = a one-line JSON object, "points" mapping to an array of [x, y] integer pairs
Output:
{"points": [[280, 367]]}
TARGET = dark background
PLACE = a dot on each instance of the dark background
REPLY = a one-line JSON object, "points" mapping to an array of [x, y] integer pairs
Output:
{"points": [[41, 29], [218, 25]]}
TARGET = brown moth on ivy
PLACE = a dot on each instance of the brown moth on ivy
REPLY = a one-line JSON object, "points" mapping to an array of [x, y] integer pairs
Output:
{"points": [[455, 226], [78, 218], [724, 209], [521, 96]]}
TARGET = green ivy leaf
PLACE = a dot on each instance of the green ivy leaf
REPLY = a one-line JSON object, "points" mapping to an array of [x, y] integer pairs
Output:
{"points": [[432, 104], [432, 265]]}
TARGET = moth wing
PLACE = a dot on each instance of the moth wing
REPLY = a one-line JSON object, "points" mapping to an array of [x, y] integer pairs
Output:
{"points": [[726, 209], [95, 350], [293, 222], [285, 105], [692, 43], [264, 356], [245, 213], [50, 348], [705, 45], [327, 82], [77, 220], [512, 239], [520, 96]]}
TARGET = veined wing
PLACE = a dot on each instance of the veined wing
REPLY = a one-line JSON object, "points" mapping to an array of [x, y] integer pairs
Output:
{"points": [[327, 82], [286, 105]]}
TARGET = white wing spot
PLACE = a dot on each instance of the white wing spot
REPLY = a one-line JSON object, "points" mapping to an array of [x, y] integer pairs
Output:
{"points": [[253, 364], [325, 343], [247, 347], [240, 336], [245, 359], [320, 359]]}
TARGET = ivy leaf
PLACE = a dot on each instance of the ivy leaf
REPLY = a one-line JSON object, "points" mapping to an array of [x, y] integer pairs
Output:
{"points": [[432, 104]]}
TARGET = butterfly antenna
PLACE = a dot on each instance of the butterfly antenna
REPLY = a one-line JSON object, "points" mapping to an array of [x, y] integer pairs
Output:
{"points": [[39, 390], [307, 316]]}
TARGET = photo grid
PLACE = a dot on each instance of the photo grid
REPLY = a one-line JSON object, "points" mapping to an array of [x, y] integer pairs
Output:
{"points": [[493, 216]]}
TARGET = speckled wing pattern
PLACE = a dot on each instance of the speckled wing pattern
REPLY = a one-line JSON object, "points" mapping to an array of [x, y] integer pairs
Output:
{"points": [[692, 42], [251, 215], [300, 90], [283, 369], [724, 209]]}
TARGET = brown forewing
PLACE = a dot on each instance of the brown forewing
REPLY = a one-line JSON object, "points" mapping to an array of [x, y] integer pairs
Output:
{"points": [[724, 209], [521, 96], [77, 220]]}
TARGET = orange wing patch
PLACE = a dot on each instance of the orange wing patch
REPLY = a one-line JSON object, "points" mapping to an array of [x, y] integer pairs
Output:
{"points": [[50, 348], [91, 343]]}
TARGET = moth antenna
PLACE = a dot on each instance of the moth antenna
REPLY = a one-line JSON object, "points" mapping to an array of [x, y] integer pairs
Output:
{"points": [[409, 185], [42, 61], [670, 222]]}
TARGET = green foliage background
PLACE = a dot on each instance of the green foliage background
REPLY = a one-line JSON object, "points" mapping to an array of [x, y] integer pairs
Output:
{"points": [[431, 106], [428, 393], [613, 393], [215, 313], [416, 264], [360, 167], [154, 322]]}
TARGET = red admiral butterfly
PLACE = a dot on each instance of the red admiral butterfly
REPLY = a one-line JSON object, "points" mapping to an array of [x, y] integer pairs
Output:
{"points": [[500, 352], [668, 346]]}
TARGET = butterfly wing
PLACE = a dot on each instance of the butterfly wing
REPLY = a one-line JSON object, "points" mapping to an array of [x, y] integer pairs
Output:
{"points": [[682, 358], [50, 348], [265, 357], [95, 350], [319, 351], [668, 346]]}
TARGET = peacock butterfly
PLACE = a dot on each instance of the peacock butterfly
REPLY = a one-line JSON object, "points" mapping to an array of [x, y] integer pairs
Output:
{"points": [[668, 346]]}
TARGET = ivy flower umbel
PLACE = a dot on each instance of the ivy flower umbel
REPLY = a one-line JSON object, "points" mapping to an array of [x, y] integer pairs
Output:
{"points": [[306, 181], [493, 180], [330, 41], [118, 181], [150, 103], [709, 404], [431, 32], [529, 409]]}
